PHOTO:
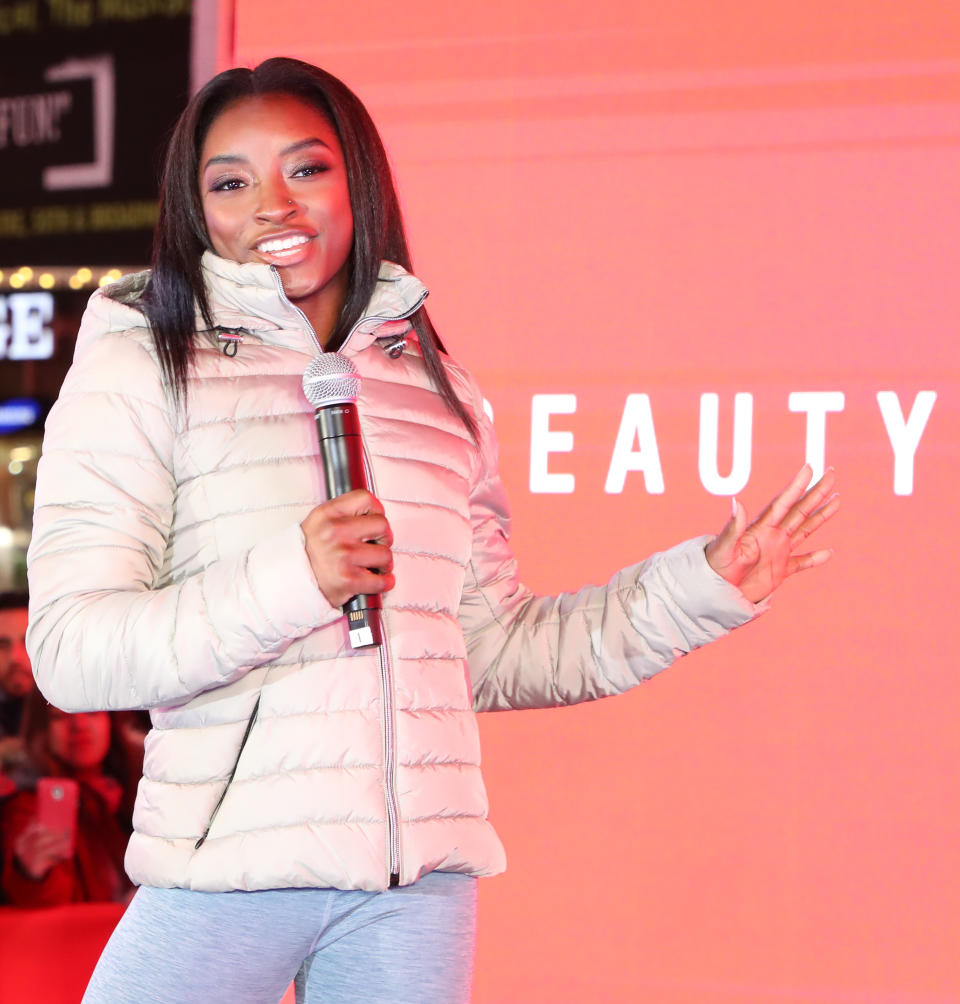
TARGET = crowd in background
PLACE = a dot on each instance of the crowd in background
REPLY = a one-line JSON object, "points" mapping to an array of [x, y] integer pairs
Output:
{"points": [[67, 786]]}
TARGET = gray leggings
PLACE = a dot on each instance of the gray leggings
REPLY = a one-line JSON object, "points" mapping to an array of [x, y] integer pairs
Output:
{"points": [[409, 945]]}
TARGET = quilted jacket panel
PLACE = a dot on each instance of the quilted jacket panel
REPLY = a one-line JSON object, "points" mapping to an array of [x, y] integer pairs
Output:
{"points": [[167, 571]]}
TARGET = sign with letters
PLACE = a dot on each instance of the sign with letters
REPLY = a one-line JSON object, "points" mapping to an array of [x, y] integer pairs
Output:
{"points": [[88, 94], [25, 331]]}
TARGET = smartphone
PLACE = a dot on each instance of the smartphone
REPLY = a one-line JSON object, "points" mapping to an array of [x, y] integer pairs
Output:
{"points": [[57, 806]]}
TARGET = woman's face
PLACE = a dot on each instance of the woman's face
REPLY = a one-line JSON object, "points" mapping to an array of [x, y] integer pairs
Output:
{"points": [[273, 185], [16, 680], [80, 741]]}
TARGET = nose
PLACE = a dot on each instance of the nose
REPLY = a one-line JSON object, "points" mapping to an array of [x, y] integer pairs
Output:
{"points": [[80, 724], [276, 203]]}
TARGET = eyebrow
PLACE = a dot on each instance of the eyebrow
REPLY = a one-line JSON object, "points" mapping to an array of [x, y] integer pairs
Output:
{"points": [[232, 158]]}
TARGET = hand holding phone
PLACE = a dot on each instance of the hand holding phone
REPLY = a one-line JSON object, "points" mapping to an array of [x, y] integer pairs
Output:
{"points": [[51, 837]]}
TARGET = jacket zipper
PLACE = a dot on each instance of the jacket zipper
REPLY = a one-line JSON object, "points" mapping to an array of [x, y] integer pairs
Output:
{"points": [[390, 764], [386, 670], [389, 734], [306, 321], [309, 326], [223, 794]]}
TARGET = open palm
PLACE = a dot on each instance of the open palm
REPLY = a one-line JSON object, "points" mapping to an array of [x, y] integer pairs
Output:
{"points": [[758, 556]]}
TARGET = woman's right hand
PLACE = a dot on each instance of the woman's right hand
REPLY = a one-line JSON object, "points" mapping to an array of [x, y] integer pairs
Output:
{"points": [[38, 848], [348, 542]]}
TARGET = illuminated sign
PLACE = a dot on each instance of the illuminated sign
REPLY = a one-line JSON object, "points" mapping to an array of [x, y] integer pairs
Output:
{"points": [[19, 413], [24, 326], [88, 94]]}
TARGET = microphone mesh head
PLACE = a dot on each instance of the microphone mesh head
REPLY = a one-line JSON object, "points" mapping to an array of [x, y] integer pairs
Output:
{"points": [[330, 379]]}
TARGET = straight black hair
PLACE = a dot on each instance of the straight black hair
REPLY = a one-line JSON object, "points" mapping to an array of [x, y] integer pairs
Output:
{"points": [[176, 289]]}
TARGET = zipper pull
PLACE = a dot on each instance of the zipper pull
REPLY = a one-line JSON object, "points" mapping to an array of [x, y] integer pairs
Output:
{"points": [[393, 345], [231, 339]]}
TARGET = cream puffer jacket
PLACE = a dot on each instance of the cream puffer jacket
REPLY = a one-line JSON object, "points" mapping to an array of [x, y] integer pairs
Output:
{"points": [[168, 571]]}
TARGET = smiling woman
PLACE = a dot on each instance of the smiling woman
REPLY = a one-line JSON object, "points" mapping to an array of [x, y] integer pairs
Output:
{"points": [[274, 190], [309, 810]]}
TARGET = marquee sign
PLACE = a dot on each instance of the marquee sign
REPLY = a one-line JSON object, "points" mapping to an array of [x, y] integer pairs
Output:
{"points": [[88, 94], [25, 331]]}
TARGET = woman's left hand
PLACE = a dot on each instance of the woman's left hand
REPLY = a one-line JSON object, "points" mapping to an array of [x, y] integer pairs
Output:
{"points": [[758, 557]]}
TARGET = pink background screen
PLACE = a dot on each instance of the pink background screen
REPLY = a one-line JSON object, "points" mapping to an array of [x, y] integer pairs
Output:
{"points": [[621, 208]]}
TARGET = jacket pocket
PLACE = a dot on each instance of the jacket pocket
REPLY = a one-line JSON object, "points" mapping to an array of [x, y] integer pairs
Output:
{"points": [[233, 771]]}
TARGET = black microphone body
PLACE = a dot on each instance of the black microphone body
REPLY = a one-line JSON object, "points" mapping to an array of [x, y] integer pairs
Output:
{"points": [[341, 452], [341, 449]]}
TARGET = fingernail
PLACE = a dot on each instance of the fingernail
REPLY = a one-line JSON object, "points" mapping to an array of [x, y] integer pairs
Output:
{"points": [[733, 505]]}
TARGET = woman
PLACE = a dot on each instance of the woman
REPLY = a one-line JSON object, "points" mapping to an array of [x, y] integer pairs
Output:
{"points": [[44, 866], [309, 810]]}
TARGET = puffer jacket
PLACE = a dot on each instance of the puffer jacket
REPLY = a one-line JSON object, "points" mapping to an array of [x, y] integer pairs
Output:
{"points": [[168, 571]]}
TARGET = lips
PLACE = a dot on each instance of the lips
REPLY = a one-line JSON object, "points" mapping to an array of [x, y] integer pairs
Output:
{"points": [[283, 247], [276, 244]]}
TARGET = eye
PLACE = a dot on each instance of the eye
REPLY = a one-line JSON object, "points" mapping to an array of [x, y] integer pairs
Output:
{"points": [[308, 169], [229, 184]]}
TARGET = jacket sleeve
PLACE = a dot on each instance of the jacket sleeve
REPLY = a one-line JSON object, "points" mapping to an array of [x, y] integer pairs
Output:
{"points": [[102, 635], [528, 651]]}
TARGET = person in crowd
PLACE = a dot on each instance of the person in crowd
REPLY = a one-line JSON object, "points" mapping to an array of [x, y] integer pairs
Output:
{"points": [[308, 809], [82, 861], [16, 682]]}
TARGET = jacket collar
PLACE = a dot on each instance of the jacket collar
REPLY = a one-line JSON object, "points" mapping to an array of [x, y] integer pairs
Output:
{"points": [[250, 297]]}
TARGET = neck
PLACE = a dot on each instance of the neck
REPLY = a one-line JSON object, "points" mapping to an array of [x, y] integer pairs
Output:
{"points": [[323, 308]]}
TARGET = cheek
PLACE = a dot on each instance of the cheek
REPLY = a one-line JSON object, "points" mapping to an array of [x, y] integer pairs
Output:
{"points": [[223, 231], [342, 228], [96, 734], [21, 682], [58, 735], [102, 736]]}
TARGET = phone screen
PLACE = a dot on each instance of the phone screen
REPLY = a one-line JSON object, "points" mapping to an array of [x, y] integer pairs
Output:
{"points": [[57, 805]]}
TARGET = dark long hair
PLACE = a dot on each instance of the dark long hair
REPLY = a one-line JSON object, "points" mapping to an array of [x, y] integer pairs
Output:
{"points": [[175, 289]]}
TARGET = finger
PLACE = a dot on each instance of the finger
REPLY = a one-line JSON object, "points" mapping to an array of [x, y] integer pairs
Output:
{"points": [[359, 502], [367, 582], [48, 844], [734, 527], [722, 553], [372, 527], [811, 501], [348, 530], [374, 557], [784, 502], [801, 562], [60, 848], [816, 519], [739, 519]]}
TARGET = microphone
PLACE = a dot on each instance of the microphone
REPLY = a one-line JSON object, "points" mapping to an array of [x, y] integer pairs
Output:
{"points": [[331, 384]]}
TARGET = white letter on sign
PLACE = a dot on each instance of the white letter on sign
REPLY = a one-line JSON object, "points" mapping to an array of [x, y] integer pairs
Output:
{"points": [[544, 441], [816, 403], [636, 424], [739, 474], [30, 313], [905, 435]]}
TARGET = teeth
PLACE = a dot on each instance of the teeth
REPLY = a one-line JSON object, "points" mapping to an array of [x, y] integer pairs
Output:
{"points": [[272, 247]]}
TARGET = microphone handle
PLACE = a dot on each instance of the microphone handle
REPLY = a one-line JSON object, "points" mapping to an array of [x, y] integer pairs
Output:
{"points": [[363, 620], [341, 450]]}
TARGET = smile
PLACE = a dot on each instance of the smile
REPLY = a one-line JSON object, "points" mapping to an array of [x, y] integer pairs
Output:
{"points": [[284, 245]]}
